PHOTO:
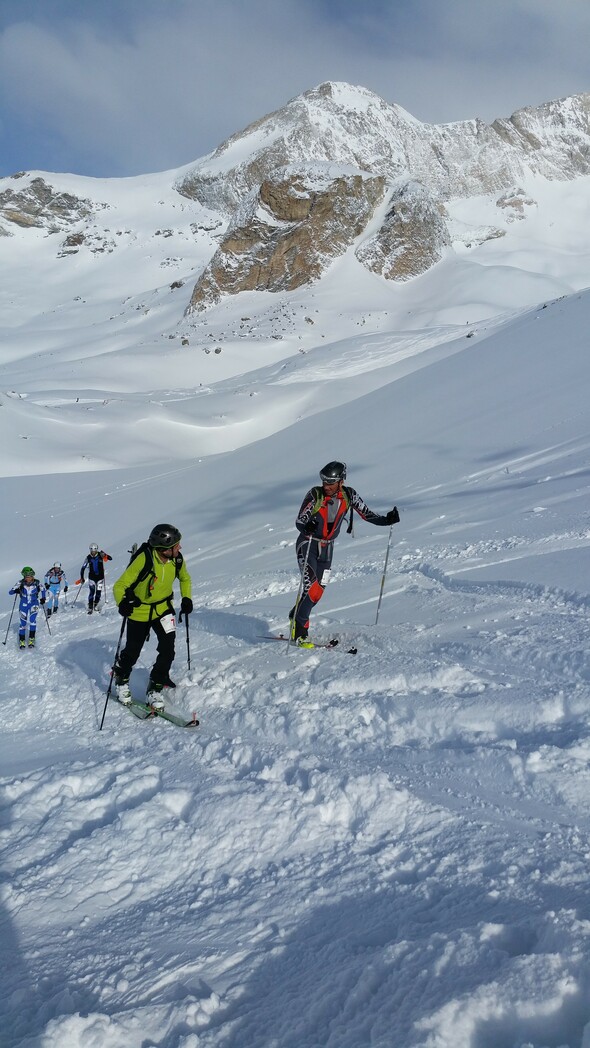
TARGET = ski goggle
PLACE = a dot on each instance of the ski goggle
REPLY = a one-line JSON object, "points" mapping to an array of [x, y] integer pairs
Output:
{"points": [[331, 480]]}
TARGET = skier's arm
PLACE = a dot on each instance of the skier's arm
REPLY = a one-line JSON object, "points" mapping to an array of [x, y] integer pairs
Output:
{"points": [[184, 581], [380, 519], [306, 518]]}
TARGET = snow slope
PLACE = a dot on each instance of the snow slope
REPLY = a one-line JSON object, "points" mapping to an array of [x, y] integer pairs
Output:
{"points": [[388, 849]]}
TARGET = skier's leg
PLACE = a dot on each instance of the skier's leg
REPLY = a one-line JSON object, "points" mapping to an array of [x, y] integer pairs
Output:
{"points": [[160, 673], [22, 629], [91, 592], [137, 633], [318, 564], [98, 592]]}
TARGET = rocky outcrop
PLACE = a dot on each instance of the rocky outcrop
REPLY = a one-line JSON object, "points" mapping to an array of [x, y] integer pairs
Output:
{"points": [[279, 235], [38, 204], [411, 238], [553, 139], [287, 232]]}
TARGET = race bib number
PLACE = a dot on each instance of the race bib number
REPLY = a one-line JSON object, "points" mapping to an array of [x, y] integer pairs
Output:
{"points": [[326, 576], [168, 623]]}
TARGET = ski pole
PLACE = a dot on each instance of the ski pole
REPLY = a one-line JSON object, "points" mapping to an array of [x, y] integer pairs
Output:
{"points": [[46, 619], [299, 593], [110, 688], [79, 583], [188, 650], [383, 576], [10, 619]]}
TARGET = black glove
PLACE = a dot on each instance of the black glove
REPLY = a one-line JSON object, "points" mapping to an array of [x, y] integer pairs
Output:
{"points": [[129, 603], [41, 600], [186, 607], [309, 528], [392, 517], [65, 589]]}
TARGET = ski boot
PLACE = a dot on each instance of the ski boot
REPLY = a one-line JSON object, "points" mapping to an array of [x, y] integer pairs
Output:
{"points": [[21, 642], [122, 689], [299, 634], [153, 695], [31, 640]]}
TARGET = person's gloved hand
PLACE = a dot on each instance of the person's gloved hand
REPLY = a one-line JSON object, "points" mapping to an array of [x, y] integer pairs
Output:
{"points": [[309, 528], [41, 600], [128, 604], [186, 607], [65, 589], [393, 516]]}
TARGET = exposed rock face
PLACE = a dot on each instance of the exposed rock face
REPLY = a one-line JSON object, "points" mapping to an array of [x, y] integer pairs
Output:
{"points": [[286, 234], [336, 170], [554, 139], [411, 238], [279, 235], [38, 204]]}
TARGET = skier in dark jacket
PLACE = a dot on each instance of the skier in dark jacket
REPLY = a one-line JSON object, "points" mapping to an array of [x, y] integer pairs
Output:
{"points": [[94, 565], [32, 594], [319, 521]]}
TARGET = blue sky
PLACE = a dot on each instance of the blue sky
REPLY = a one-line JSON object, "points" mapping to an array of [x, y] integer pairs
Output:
{"points": [[123, 87]]}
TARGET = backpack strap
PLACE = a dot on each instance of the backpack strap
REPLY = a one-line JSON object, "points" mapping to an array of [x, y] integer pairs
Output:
{"points": [[148, 568]]}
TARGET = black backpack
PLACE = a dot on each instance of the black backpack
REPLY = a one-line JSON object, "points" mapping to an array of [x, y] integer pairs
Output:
{"points": [[147, 572]]}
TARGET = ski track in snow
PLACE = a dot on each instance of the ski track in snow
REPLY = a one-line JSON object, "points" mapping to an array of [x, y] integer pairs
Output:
{"points": [[278, 803]]}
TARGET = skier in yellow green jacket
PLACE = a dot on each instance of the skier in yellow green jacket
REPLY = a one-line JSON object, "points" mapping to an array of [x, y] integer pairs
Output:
{"points": [[144, 595]]}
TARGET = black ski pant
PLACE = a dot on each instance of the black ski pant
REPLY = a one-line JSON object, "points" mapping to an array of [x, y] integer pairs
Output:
{"points": [[319, 561], [95, 587], [137, 634]]}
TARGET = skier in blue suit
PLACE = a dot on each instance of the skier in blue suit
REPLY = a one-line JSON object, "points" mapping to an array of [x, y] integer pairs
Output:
{"points": [[55, 578], [32, 594]]}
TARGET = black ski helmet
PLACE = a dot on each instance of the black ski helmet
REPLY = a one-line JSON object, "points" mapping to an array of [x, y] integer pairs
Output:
{"points": [[164, 536], [333, 472]]}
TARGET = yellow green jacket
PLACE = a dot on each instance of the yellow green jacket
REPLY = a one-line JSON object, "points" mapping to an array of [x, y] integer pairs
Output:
{"points": [[156, 591]]}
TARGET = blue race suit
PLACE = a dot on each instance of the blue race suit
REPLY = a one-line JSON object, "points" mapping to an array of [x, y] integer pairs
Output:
{"points": [[30, 598]]}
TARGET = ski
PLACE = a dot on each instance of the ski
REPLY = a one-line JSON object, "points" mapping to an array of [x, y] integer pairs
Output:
{"points": [[143, 711], [310, 645]]}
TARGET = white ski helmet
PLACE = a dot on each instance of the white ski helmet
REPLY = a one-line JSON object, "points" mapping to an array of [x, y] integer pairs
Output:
{"points": [[94, 547]]}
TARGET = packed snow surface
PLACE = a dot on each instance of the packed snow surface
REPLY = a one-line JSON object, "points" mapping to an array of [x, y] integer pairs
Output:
{"points": [[385, 849]]}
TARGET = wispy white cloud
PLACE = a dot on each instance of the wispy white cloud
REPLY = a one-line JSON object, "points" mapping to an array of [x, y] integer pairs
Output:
{"points": [[121, 89]]}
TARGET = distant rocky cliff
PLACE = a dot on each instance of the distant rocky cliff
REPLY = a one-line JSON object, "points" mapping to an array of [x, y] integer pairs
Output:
{"points": [[336, 170]]}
